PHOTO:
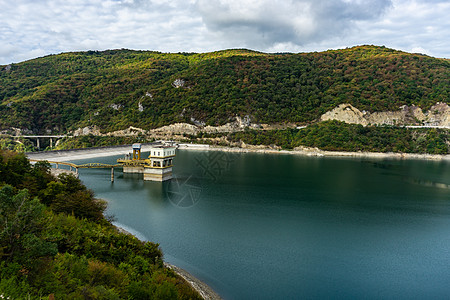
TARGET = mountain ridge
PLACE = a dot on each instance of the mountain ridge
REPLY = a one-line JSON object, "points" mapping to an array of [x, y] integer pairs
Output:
{"points": [[116, 89]]}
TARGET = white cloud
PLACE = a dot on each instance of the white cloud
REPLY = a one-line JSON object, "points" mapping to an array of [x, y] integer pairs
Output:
{"points": [[67, 25], [30, 28], [410, 25]]}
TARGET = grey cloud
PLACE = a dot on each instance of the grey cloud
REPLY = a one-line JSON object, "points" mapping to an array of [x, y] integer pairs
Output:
{"points": [[264, 23]]}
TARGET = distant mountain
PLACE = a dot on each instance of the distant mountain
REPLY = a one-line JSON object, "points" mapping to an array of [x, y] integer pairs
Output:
{"points": [[116, 89]]}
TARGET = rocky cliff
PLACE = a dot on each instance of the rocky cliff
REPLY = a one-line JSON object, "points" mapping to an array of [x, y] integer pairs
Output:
{"points": [[438, 115]]}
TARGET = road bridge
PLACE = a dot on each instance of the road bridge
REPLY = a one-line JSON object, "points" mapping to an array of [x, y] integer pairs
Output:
{"points": [[37, 137]]}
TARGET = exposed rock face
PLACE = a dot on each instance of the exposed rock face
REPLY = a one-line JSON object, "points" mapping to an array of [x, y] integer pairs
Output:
{"points": [[130, 131], [345, 113], [243, 122], [229, 127], [16, 131], [438, 115], [197, 122], [178, 83], [115, 106], [94, 130], [177, 128], [87, 131], [181, 128]]}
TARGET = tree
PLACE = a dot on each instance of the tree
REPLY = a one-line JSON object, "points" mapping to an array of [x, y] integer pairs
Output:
{"points": [[14, 166], [21, 220], [70, 196]]}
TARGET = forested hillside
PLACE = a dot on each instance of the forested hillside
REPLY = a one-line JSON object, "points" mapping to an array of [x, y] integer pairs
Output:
{"points": [[119, 88], [55, 243]]}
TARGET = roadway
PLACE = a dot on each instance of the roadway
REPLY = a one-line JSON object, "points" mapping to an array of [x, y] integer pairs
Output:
{"points": [[77, 154]]}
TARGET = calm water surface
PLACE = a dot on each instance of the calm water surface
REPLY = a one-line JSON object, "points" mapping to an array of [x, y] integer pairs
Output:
{"points": [[260, 226]]}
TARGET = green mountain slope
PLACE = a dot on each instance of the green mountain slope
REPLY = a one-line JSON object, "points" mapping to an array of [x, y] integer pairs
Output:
{"points": [[119, 88]]}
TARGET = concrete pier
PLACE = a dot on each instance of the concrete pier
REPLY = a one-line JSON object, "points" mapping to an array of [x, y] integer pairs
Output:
{"points": [[112, 174], [161, 174]]}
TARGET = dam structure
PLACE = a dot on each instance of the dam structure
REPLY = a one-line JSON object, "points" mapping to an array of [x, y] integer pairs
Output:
{"points": [[158, 165]]}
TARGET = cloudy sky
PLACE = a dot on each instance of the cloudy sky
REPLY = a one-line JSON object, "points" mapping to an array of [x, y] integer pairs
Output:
{"points": [[34, 28]]}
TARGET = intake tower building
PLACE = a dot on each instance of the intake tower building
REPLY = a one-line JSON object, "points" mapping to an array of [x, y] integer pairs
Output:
{"points": [[158, 165]]}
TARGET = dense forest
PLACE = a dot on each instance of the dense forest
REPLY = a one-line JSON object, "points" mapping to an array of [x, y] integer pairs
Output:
{"points": [[118, 88], [55, 243]]}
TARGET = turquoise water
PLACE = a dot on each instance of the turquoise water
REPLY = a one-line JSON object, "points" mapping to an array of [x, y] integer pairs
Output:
{"points": [[261, 226]]}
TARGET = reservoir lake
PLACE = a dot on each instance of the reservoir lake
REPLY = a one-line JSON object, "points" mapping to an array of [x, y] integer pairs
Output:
{"points": [[268, 226]]}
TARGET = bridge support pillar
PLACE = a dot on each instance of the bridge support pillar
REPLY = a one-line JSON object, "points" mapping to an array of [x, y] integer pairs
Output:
{"points": [[51, 143], [112, 174], [37, 144]]}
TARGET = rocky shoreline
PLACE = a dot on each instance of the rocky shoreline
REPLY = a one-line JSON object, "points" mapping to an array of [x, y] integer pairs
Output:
{"points": [[202, 288], [306, 151]]}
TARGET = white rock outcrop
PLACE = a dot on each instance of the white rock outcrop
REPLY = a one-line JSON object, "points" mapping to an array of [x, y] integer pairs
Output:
{"points": [[345, 113], [115, 106], [178, 83], [177, 128], [94, 130], [437, 115], [87, 131], [130, 131]]}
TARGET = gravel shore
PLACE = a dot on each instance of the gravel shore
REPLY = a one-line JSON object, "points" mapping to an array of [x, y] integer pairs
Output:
{"points": [[305, 151], [202, 288]]}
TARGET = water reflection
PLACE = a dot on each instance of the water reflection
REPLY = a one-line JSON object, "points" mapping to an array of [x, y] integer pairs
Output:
{"points": [[427, 183]]}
